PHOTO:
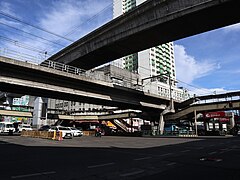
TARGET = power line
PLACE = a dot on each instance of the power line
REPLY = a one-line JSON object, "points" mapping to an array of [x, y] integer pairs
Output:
{"points": [[31, 34], [25, 46], [87, 21], [5, 30], [37, 27], [199, 88]]}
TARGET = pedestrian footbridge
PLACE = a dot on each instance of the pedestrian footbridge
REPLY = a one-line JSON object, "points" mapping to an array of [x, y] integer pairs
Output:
{"points": [[220, 102]]}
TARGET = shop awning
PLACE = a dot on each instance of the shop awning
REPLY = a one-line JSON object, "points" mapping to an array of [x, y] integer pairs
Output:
{"points": [[15, 113]]}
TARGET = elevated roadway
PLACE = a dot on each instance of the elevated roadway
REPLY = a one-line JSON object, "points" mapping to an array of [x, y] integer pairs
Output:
{"points": [[26, 78], [152, 23], [205, 107]]}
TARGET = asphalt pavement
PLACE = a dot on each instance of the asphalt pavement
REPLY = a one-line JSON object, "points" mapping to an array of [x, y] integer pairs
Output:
{"points": [[112, 157]]}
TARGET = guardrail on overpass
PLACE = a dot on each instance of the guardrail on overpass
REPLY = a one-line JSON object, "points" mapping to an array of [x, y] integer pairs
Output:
{"points": [[32, 79]]}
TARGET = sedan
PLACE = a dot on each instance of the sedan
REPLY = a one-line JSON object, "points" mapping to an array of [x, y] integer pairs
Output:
{"points": [[66, 132], [75, 131]]}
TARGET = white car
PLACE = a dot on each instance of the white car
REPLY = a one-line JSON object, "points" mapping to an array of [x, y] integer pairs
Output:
{"points": [[24, 127], [6, 127], [75, 131], [66, 132]]}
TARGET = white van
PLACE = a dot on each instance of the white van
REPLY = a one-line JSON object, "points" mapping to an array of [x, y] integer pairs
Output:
{"points": [[6, 127]]}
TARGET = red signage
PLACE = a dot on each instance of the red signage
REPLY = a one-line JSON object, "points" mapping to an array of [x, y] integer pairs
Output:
{"points": [[223, 119], [215, 114]]}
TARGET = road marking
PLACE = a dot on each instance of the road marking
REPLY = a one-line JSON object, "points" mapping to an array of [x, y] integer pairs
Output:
{"points": [[170, 164], [101, 165], [35, 174], [185, 151], [166, 154], [139, 159], [214, 152], [132, 173]]}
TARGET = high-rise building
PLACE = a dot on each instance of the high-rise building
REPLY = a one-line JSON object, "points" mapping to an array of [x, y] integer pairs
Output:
{"points": [[151, 62]]}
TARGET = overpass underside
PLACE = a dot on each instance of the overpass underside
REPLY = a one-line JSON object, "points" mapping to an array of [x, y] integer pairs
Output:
{"points": [[152, 23]]}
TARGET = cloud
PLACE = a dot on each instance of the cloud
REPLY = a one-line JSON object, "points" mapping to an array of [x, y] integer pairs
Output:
{"points": [[66, 16], [59, 18], [188, 68], [7, 8]]}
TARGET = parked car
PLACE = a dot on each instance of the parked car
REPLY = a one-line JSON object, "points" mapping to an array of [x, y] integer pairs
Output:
{"points": [[44, 128], [66, 132], [75, 131], [238, 133], [24, 127], [6, 127]]}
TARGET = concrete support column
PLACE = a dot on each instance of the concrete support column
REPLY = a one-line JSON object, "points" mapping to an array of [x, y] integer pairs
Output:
{"points": [[232, 122], [9, 101], [39, 111], [161, 124], [195, 121], [206, 126]]}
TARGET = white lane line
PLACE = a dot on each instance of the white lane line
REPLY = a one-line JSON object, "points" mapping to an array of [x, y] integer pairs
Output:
{"points": [[170, 164], [185, 151], [34, 174], [166, 154], [144, 158], [214, 152], [101, 165], [132, 173]]}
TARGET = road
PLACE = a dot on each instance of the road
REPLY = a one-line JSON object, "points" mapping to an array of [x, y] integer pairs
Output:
{"points": [[90, 158]]}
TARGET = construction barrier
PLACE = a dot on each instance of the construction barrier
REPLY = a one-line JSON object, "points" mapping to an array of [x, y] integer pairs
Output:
{"points": [[38, 134], [88, 133]]}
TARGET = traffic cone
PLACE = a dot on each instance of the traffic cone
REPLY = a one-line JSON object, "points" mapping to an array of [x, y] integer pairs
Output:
{"points": [[60, 138]]}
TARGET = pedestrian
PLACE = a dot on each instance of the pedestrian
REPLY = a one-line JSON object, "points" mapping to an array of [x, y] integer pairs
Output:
{"points": [[98, 132]]}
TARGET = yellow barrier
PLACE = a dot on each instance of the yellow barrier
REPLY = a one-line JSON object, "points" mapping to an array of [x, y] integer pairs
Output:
{"points": [[38, 134], [88, 133]]}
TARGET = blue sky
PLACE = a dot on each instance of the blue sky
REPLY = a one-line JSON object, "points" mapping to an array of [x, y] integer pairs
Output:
{"points": [[205, 63]]}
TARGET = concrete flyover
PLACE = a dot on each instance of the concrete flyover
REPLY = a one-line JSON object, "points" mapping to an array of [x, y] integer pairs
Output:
{"points": [[26, 78], [205, 107], [152, 23]]}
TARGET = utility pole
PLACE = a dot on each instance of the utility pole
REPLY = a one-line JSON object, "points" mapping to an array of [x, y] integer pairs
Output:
{"points": [[169, 108]]}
